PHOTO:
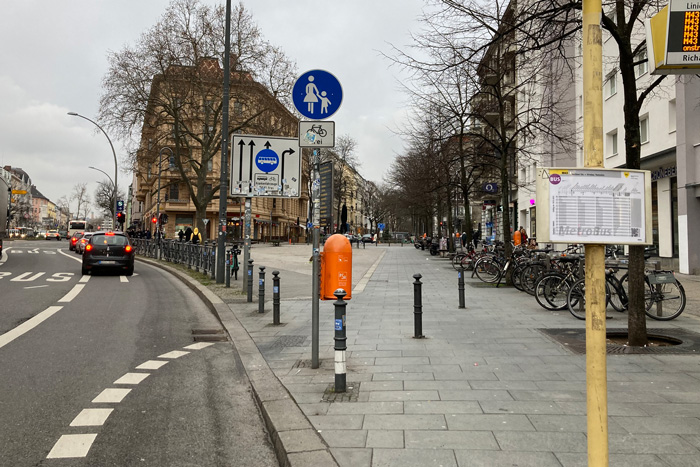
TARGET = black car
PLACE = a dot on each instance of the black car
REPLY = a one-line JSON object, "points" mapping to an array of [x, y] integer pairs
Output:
{"points": [[108, 251]]}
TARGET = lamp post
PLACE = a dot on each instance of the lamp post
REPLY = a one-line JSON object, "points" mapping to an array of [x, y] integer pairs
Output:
{"points": [[160, 171], [74, 114], [110, 180]]}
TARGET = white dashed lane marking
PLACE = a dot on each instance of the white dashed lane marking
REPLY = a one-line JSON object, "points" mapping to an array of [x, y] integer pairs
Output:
{"points": [[123, 279], [111, 395], [77, 288], [173, 354], [72, 446], [91, 417], [151, 365], [84, 279], [132, 378]]}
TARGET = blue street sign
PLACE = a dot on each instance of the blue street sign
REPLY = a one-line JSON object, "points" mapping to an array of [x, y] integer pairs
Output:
{"points": [[380, 226], [317, 94], [490, 187], [120, 205], [267, 160]]}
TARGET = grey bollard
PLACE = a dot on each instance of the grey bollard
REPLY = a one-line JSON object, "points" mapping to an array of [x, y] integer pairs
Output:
{"points": [[228, 268], [250, 280], [275, 297], [460, 286], [340, 340], [261, 290], [417, 308]]}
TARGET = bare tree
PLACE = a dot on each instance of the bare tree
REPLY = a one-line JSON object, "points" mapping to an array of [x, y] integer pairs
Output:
{"points": [[168, 87], [104, 197], [80, 195]]}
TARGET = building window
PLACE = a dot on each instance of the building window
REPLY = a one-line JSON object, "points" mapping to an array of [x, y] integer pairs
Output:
{"points": [[671, 115], [238, 107], [643, 67], [174, 191], [612, 143], [611, 84], [644, 129]]}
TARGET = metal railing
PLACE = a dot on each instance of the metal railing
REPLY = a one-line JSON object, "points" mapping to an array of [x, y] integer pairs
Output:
{"points": [[200, 257]]}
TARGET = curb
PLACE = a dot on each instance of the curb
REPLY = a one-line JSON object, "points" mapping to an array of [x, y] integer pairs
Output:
{"points": [[295, 440]]}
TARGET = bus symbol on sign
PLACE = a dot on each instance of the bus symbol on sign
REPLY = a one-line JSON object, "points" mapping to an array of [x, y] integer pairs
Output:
{"points": [[554, 179], [267, 160]]}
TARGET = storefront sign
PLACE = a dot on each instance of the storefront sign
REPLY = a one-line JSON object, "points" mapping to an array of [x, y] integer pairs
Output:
{"points": [[663, 173]]}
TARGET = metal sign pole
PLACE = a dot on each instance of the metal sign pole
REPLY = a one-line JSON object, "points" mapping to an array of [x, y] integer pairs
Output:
{"points": [[315, 285], [246, 241]]}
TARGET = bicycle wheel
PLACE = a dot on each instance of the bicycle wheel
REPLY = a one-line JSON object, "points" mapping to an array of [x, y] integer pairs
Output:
{"points": [[576, 299], [487, 270], [624, 281], [618, 296], [515, 277], [551, 291], [667, 301], [529, 276], [457, 261]]}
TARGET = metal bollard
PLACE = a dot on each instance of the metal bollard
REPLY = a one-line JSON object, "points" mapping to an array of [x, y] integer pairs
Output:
{"points": [[340, 339], [275, 297], [460, 286], [250, 280], [417, 308], [228, 268], [234, 267], [261, 290]]}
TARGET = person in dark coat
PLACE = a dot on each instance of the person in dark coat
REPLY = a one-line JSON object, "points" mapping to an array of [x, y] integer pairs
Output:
{"points": [[188, 234], [181, 235]]}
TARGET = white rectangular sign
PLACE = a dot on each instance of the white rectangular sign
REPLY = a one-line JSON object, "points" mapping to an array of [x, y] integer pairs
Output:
{"points": [[317, 134], [599, 206], [265, 166]]}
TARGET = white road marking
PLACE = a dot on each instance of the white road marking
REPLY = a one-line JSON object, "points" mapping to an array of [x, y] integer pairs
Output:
{"points": [[27, 326], [21, 277], [173, 354], [35, 251], [72, 446], [60, 277], [5, 274], [199, 345], [4, 257], [71, 256], [17, 251], [91, 417], [111, 395], [49, 252], [365, 279], [35, 287], [123, 279], [84, 279], [132, 378], [77, 288], [151, 365]]}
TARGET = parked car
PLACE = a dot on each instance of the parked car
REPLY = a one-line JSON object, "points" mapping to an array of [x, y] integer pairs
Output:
{"points": [[368, 238], [108, 250], [352, 238], [41, 234], [53, 235], [74, 240], [80, 245], [64, 234]]}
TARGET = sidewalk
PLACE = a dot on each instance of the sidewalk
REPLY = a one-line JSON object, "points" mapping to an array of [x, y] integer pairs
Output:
{"points": [[485, 387]]}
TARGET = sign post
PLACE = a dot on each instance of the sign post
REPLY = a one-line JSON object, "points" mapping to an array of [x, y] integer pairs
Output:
{"points": [[317, 94]]}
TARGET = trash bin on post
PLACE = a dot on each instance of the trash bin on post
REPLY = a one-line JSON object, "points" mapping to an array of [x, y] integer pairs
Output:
{"points": [[336, 267]]}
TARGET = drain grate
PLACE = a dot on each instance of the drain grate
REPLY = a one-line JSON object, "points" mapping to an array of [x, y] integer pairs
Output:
{"points": [[574, 339], [209, 335]]}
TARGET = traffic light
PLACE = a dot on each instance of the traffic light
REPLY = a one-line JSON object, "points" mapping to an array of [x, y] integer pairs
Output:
{"points": [[121, 218], [154, 219]]}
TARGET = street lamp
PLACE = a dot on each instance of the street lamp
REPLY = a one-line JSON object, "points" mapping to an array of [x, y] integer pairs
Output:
{"points": [[110, 180], [74, 114], [160, 171]]}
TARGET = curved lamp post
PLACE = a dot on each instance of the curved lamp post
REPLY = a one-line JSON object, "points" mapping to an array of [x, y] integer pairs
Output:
{"points": [[74, 114]]}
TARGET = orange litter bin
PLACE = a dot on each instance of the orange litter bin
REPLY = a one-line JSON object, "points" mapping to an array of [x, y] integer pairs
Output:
{"points": [[336, 267]]}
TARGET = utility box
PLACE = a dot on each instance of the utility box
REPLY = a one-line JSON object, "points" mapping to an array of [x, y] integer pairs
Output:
{"points": [[336, 267]]}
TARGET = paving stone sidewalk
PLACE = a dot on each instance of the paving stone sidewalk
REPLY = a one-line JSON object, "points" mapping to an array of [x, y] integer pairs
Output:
{"points": [[485, 387]]}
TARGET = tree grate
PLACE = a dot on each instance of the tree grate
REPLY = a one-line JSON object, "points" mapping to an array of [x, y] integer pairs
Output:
{"points": [[683, 342]]}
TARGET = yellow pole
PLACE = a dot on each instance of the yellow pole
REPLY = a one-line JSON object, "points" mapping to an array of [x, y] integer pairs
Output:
{"points": [[596, 371]]}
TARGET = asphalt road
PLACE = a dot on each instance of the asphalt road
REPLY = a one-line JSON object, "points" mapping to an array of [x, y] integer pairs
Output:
{"points": [[79, 371]]}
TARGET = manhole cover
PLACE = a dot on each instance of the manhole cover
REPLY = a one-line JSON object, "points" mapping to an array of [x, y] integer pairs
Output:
{"points": [[351, 394], [678, 341]]}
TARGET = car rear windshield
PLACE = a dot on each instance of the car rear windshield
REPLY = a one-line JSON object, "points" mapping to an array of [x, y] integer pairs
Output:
{"points": [[111, 240]]}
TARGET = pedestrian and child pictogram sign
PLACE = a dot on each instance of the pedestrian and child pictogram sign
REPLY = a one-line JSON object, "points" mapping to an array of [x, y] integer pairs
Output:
{"points": [[265, 166], [317, 94]]}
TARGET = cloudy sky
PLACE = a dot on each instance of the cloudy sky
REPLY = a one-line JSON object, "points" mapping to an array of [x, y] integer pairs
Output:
{"points": [[54, 56]]}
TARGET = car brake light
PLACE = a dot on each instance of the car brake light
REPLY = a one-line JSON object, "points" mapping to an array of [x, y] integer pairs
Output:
{"points": [[127, 248], [88, 247], [111, 234]]}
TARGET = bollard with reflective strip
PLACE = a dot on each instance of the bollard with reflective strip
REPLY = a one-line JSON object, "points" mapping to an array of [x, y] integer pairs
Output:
{"points": [[275, 297], [250, 280], [261, 290], [340, 340], [417, 308], [460, 286]]}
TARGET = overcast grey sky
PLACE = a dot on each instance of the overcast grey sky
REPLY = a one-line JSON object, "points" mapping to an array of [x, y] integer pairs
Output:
{"points": [[53, 58]]}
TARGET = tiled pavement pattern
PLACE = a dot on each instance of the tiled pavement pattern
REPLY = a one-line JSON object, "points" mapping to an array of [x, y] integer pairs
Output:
{"points": [[484, 388]]}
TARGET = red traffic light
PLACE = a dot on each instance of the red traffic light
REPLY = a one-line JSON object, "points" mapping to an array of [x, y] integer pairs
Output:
{"points": [[154, 219]]}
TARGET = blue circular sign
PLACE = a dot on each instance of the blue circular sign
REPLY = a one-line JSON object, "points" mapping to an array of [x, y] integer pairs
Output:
{"points": [[317, 94], [267, 160]]}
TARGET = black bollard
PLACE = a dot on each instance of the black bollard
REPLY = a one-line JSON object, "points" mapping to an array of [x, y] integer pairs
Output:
{"points": [[250, 280], [234, 266], [261, 290], [417, 308], [228, 268], [460, 286], [340, 340], [275, 297]]}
